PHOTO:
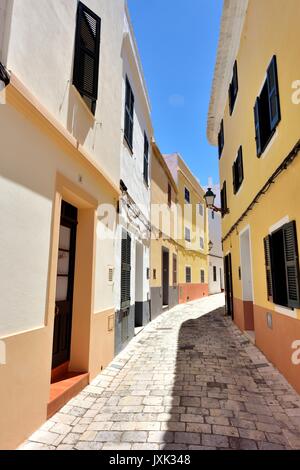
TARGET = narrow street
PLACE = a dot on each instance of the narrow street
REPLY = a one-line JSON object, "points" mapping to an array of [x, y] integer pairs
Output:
{"points": [[189, 380]]}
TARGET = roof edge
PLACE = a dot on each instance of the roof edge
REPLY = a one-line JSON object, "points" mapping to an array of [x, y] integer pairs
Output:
{"points": [[232, 23]]}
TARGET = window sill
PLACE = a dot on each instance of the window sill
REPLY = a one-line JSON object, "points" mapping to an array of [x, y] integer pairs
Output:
{"points": [[146, 184], [289, 312], [239, 190], [126, 144], [85, 106], [269, 144]]}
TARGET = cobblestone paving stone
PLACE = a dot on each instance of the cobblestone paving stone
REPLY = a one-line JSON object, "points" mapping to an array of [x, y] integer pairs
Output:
{"points": [[189, 381]]}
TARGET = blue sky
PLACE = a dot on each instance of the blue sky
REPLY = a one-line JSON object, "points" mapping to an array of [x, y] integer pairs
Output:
{"points": [[177, 41]]}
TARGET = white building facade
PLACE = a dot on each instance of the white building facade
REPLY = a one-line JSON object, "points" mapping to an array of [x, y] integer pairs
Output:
{"points": [[60, 170], [132, 284]]}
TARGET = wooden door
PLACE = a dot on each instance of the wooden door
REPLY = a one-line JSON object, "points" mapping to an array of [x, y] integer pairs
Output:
{"points": [[64, 285], [228, 285]]}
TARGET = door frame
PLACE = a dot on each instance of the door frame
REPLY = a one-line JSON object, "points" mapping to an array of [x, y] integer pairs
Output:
{"points": [[241, 236], [84, 278]]}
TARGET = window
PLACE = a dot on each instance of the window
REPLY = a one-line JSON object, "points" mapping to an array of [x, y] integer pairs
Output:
{"points": [[125, 269], [187, 196], [213, 215], [169, 195], [282, 266], [221, 138], [238, 171], [202, 276], [148, 274], [146, 159], [87, 55], [214, 273], [129, 113], [188, 274], [201, 243], [267, 109], [154, 274], [174, 270], [224, 198], [201, 210], [233, 88], [187, 234]]}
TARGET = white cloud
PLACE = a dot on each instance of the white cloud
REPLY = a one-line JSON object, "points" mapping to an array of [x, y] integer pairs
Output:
{"points": [[177, 101]]}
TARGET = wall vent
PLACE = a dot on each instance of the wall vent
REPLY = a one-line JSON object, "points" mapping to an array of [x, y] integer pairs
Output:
{"points": [[110, 275]]}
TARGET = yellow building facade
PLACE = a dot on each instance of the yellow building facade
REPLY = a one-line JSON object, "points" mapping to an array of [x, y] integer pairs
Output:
{"points": [[164, 246], [179, 242], [192, 232], [254, 117]]}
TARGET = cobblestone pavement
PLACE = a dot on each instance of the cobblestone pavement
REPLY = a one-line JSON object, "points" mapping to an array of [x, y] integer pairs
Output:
{"points": [[190, 380]]}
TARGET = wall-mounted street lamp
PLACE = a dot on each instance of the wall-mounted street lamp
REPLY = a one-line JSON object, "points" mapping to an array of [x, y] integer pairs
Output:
{"points": [[210, 245], [210, 202]]}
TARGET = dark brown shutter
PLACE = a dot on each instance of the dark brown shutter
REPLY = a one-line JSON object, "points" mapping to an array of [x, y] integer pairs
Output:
{"points": [[267, 246], [291, 264], [125, 269], [87, 53]]}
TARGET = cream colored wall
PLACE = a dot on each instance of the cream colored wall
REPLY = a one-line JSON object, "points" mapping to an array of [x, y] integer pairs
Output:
{"points": [[196, 262], [189, 215], [162, 216], [40, 54], [267, 31], [28, 244], [27, 205], [3, 20], [159, 197], [156, 260]]}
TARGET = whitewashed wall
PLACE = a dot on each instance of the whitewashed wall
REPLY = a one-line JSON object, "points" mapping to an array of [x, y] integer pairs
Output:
{"points": [[132, 165], [40, 54], [27, 186]]}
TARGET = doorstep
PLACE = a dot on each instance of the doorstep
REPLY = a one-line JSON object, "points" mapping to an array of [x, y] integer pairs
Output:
{"points": [[64, 386], [138, 330], [250, 335]]}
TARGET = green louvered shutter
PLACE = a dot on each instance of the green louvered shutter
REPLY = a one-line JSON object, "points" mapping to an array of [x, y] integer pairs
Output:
{"points": [[267, 246], [87, 55], [257, 127], [273, 91], [291, 264], [125, 270]]}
